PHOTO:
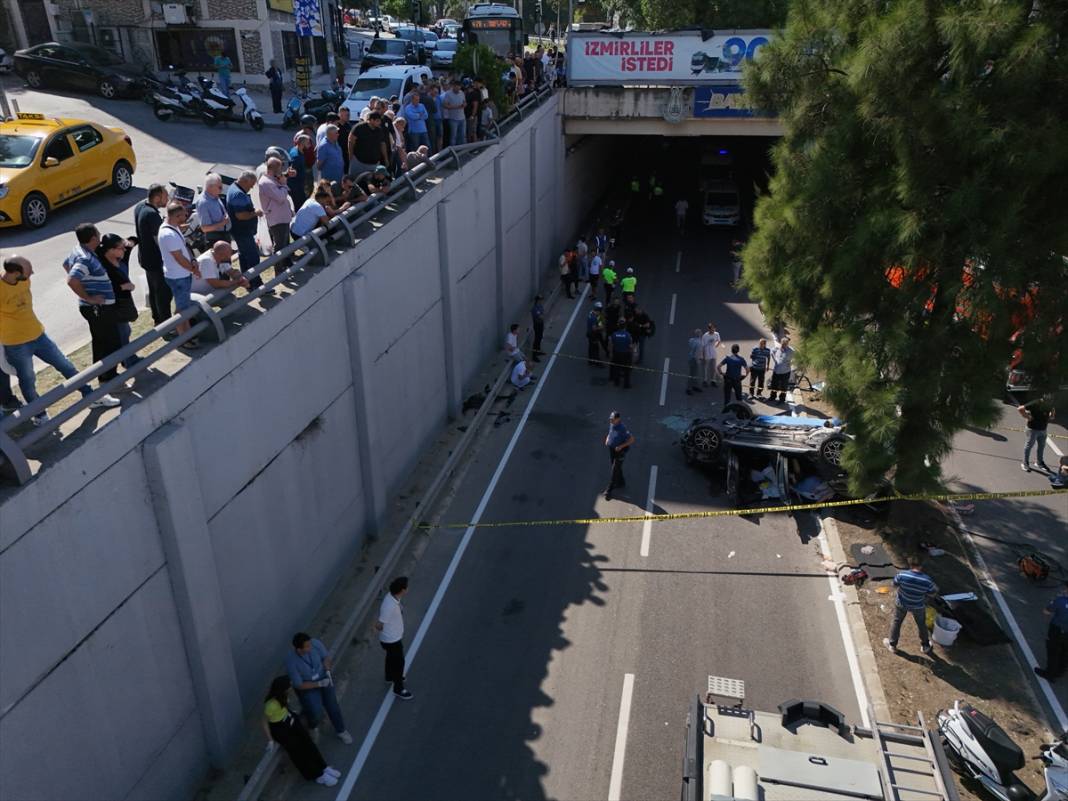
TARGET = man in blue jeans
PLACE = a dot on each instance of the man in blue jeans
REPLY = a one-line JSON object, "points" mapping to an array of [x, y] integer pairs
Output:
{"points": [[913, 588], [309, 665], [23, 336], [244, 222]]}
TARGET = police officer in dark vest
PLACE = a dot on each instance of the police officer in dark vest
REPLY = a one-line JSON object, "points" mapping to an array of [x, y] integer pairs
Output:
{"points": [[621, 345]]}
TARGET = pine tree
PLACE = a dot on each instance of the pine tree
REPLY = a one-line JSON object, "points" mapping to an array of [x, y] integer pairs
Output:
{"points": [[918, 213]]}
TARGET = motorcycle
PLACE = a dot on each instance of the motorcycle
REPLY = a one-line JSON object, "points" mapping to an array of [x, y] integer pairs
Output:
{"points": [[222, 108], [979, 749], [170, 100], [319, 106]]}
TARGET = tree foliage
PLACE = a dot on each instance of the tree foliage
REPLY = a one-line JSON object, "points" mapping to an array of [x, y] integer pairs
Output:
{"points": [[490, 68], [921, 136]]}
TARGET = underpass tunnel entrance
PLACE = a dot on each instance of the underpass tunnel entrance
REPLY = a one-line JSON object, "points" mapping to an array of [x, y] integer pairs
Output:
{"points": [[719, 178]]}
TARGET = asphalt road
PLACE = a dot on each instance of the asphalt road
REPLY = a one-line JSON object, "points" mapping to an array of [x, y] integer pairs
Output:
{"points": [[181, 150], [990, 461], [520, 678]]}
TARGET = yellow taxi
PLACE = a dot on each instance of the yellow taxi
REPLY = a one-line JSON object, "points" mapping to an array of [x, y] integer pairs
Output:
{"points": [[46, 162]]}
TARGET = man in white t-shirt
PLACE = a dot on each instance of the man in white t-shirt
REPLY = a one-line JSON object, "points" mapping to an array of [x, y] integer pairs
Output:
{"points": [[511, 343], [595, 274], [178, 264], [217, 272], [681, 208], [521, 375], [709, 342], [390, 628]]}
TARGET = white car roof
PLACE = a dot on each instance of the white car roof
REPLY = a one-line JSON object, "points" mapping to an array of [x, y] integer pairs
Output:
{"points": [[397, 71]]}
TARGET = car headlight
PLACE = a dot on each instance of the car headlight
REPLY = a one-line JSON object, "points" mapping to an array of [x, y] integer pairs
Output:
{"points": [[3, 191]]}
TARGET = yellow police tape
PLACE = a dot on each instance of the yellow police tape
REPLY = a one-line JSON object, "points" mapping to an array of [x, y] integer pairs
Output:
{"points": [[797, 507]]}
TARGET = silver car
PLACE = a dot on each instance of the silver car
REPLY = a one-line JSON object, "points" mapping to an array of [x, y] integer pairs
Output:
{"points": [[6, 61], [443, 53]]}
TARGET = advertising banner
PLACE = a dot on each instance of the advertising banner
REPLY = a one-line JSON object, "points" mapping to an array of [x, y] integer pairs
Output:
{"points": [[306, 18], [660, 59], [722, 100]]}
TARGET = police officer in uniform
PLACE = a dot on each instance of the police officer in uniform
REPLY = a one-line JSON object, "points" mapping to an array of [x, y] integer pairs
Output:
{"points": [[595, 335], [618, 443], [537, 319], [621, 345]]}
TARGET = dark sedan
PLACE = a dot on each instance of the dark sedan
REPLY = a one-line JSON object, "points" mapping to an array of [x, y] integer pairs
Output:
{"points": [[389, 53], [84, 67]]}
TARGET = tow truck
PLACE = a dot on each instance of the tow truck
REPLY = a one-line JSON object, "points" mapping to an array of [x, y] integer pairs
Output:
{"points": [[805, 750]]}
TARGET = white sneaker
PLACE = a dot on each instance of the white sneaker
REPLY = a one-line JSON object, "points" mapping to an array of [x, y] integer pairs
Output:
{"points": [[333, 772], [345, 737], [327, 780], [105, 402]]}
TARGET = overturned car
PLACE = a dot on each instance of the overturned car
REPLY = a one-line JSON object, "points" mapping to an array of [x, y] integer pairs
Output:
{"points": [[769, 457]]}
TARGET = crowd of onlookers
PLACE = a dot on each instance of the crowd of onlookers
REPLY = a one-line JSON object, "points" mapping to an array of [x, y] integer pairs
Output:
{"points": [[186, 243]]}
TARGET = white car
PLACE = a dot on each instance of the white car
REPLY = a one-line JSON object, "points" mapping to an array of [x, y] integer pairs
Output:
{"points": [[385, 82], [443, 53], [723, 206]]}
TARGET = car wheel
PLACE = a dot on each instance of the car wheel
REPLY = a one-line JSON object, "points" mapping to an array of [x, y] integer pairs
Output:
{"points": [[121, 177], [107, 88], [739, 410], [33, 79], [34, 210], [706, 441], [831, 449]]}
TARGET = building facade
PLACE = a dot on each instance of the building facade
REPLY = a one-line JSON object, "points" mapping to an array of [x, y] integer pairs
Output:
{"points": [[187, 34]]}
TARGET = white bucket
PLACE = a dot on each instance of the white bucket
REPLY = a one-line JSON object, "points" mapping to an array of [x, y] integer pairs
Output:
{"points": [[945, 631]]}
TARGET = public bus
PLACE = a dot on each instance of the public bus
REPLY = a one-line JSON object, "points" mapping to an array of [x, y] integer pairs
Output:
{"points": [[497, 26]]}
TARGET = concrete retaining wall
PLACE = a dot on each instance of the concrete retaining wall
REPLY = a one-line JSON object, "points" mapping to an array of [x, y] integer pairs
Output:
{"points": [[149, 581]]}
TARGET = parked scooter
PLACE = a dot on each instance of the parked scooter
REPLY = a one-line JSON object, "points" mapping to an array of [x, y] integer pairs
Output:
{"points": [[980, 749], [169, 99], [318, 106], [219, 107]]}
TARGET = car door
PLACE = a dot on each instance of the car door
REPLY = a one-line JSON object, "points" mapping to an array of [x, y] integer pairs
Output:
{"points": [[60, 181], [94, 166], [80, 74], [63, 69]]}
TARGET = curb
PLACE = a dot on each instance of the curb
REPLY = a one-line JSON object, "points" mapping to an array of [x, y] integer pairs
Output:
{"points": [[869, 670]]}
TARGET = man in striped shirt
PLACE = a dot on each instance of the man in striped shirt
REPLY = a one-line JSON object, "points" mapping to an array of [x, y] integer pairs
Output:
{"points": [[88, 279], [913, 588]]}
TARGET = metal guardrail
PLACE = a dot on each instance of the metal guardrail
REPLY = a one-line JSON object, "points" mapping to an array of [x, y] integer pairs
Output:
{"points": [[313, 250]]}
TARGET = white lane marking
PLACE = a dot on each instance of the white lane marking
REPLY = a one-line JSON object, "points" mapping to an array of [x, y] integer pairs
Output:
{"points": [[847, 635], [671, 316], [663, 381], [647, 526], [678, 261], [387, 702], [1049, 442], [1021, 641], [615, 785]]}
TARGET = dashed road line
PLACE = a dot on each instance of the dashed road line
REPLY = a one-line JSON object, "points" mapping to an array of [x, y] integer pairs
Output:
{"points": [[664, 380], [671, 315], [615, 785], [647, 526]]}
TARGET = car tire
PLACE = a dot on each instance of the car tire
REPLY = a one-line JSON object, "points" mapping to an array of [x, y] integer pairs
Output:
{"points": [[121, 177], [831, 449], [705, 442], [34, 79], [35, 210], [107, 88], [739, 410]]}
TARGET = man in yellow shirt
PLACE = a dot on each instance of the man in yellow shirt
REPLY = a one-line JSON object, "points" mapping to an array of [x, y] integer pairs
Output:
{"points": [[23, 336]]}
